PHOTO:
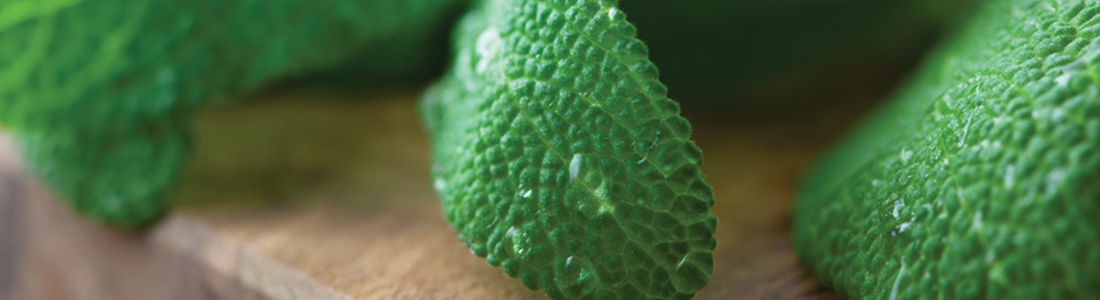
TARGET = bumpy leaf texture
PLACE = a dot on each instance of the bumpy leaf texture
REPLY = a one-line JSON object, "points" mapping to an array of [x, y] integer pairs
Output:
{"points": [[100, 92], [981, 180], [559, 157]]}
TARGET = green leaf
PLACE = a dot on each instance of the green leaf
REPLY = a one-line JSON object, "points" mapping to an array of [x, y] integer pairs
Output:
{"points": [[979, 180], [101, 92], [559, 157]]}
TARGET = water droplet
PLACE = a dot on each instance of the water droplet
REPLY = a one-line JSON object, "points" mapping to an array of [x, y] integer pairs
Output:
{"points": [[574, 167], [1064, 79], [1054, 180], [966, 130], [903, 226], [682, 260], [897, 281], [519, 240], [602, 192], [488, 48]]}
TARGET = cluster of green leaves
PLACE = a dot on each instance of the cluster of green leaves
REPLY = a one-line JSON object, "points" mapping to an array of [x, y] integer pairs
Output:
{"points": [[558, 154]]}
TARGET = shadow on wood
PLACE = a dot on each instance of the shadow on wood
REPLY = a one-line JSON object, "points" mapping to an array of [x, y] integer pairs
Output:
{"points": [[322, 195]]}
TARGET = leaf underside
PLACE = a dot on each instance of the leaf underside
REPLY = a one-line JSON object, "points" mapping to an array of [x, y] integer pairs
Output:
{"points": [[980, 180], [559, 157]]}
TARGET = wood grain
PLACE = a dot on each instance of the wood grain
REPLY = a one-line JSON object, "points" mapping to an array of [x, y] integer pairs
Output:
{"points": [[312, 194]]}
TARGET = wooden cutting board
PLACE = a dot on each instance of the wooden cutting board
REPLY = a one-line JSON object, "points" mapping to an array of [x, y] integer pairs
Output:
{"points": [[313, 194]]}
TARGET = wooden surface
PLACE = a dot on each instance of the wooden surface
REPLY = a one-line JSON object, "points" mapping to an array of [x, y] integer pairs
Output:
{"points": [[325, 195]]}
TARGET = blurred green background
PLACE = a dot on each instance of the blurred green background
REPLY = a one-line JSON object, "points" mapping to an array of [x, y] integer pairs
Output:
{"points": [[798, 72]]}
